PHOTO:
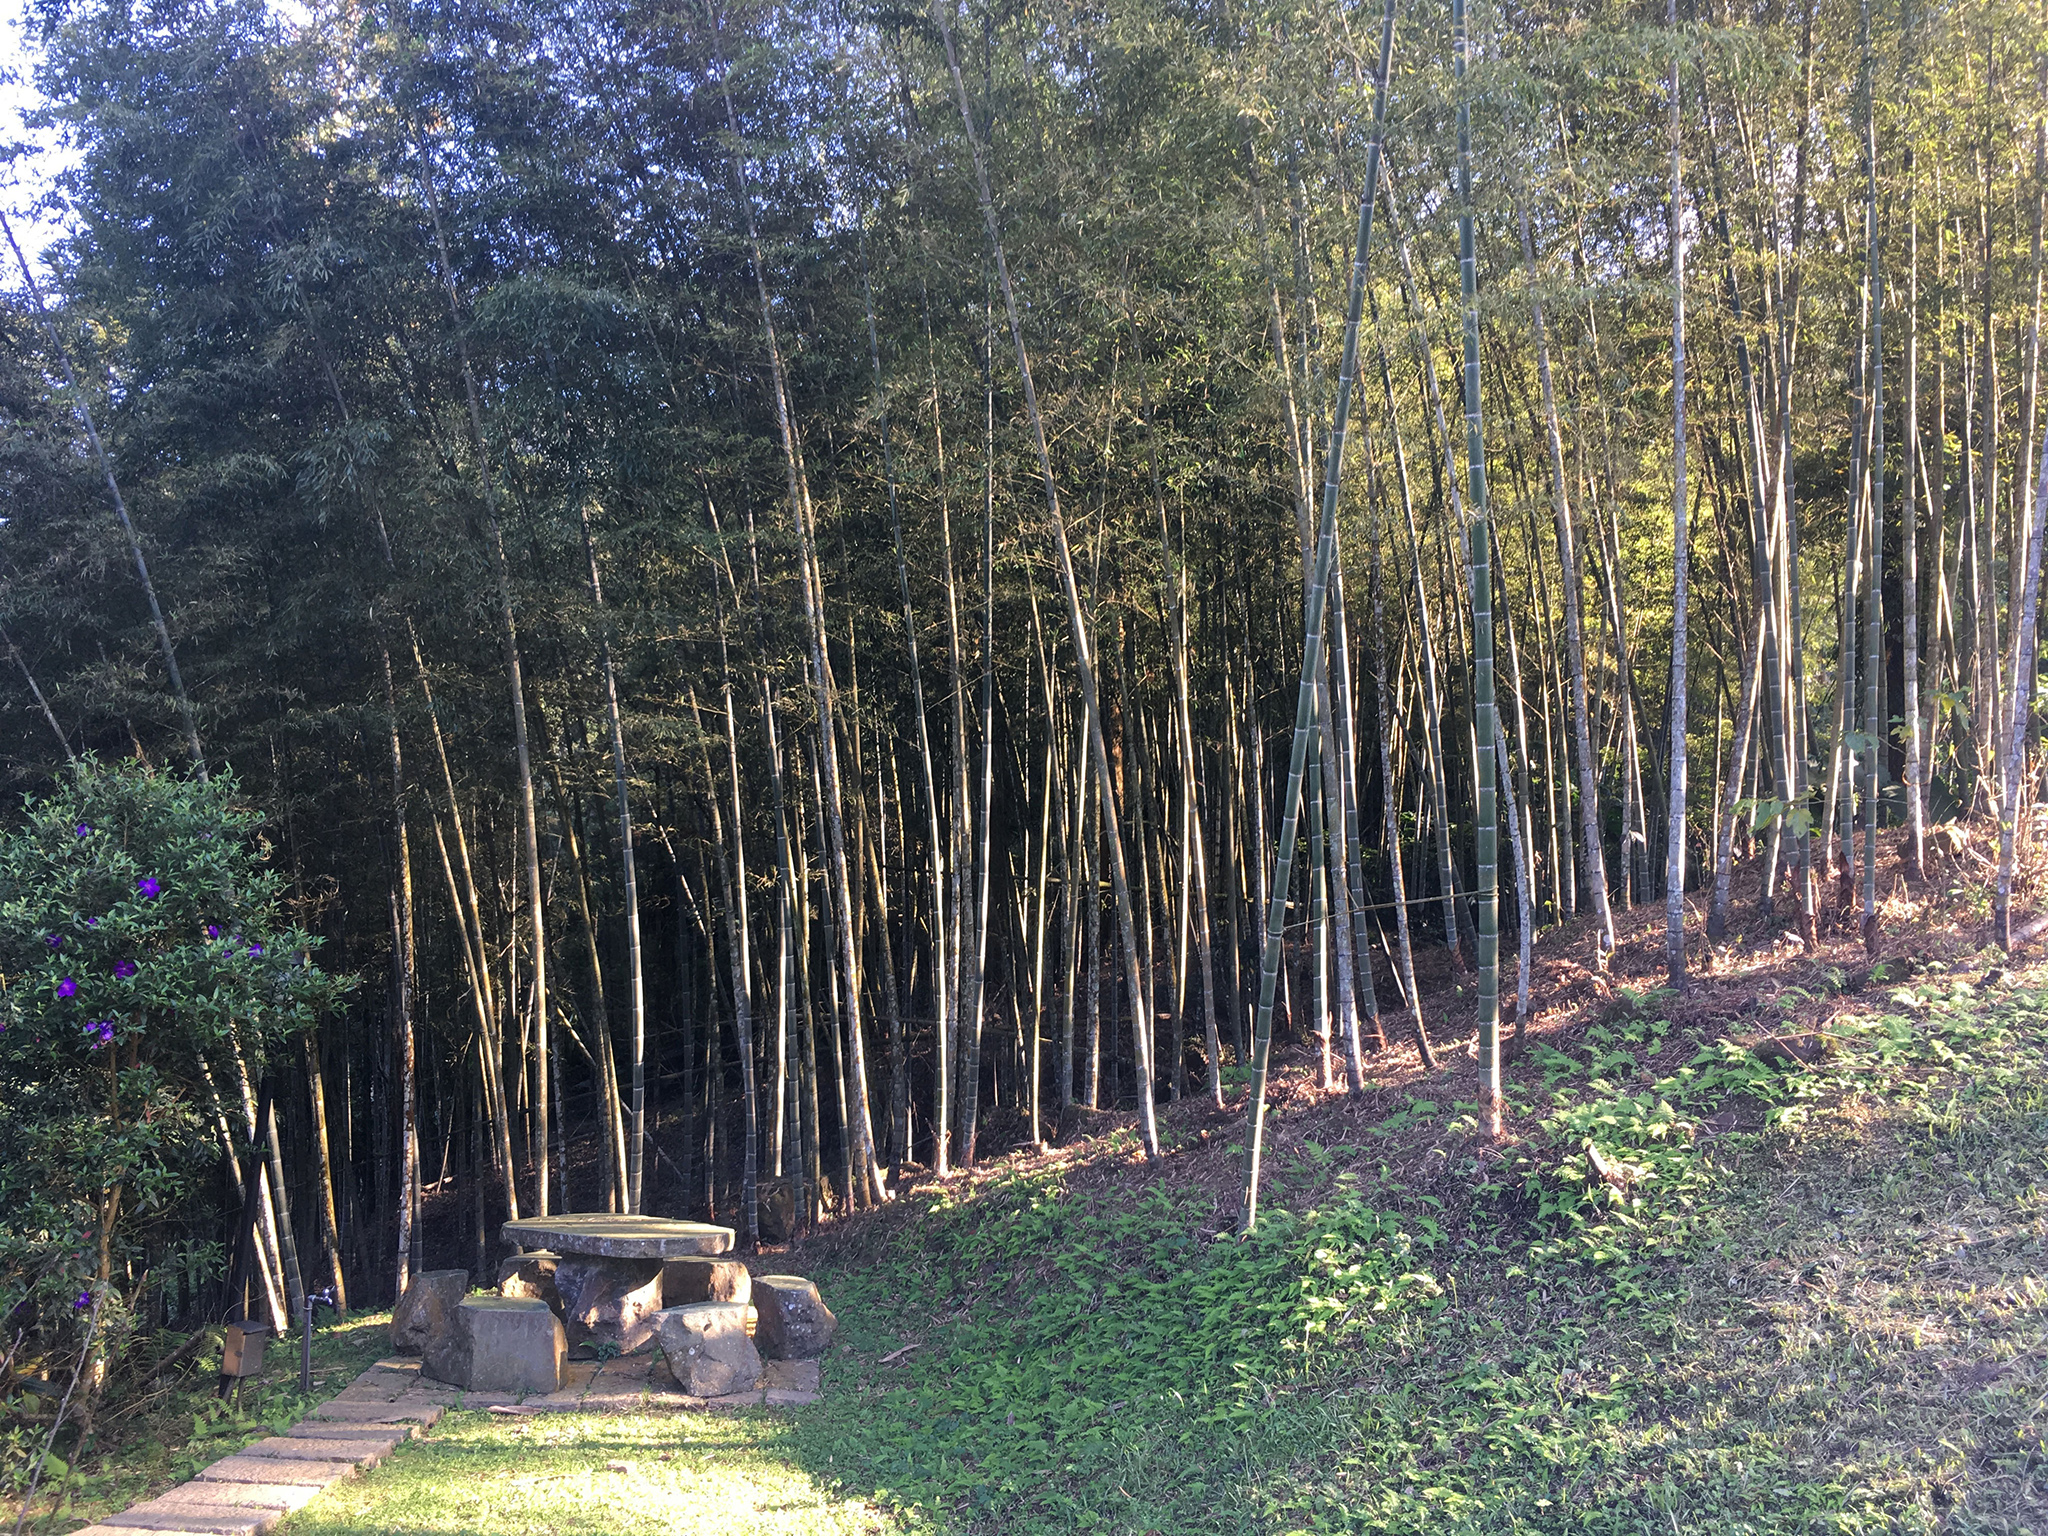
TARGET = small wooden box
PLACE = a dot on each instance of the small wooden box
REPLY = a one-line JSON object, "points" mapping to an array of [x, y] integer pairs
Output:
{"points": [[241, 1349]]}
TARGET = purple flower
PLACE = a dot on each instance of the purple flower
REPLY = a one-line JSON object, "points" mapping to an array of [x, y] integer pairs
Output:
{"points": [[92, 922], [67, 987], [55, 941], [84, 1301], [255, 950], [148, 886], [84, 829], [213, 930], [100, 1032], [124, 968]]}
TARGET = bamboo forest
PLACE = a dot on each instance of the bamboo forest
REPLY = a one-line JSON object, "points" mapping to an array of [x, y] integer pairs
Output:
{"points": [[1300, 737]]}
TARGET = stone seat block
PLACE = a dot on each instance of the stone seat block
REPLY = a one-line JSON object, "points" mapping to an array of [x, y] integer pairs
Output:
{"points": [[502, 1344], [708, 1350], [425, 1311], [795, 1322]]}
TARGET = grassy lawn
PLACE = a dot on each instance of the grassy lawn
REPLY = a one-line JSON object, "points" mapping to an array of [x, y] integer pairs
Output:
{"points": [[1699, 1291], [659, 1474]]}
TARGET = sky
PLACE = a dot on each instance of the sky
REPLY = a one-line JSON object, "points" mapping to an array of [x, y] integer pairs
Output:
{"points": [[25, 184], [29, 179]]}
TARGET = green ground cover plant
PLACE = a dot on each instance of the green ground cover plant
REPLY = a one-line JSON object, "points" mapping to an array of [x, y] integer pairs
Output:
{"points": [[1665, 1348]]}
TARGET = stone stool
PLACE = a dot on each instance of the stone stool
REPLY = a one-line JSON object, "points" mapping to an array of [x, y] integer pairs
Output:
{"points": [[530, 1277], [708, 1350], [501, 1344], [795, 1322], [426, 1310]]}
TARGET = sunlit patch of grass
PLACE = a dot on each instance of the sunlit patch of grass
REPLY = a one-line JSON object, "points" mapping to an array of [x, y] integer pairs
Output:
{"points": [[656, 1474]]}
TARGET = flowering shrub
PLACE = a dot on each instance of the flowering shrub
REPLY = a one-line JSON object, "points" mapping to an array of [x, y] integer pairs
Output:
{"points": [[142, 950]]}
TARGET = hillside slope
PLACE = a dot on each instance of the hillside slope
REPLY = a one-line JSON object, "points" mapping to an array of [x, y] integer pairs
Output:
{"points": [[1767, 1258]]}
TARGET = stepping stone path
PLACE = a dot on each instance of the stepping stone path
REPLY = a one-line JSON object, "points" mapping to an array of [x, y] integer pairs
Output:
{"points": [[254, 1489]]}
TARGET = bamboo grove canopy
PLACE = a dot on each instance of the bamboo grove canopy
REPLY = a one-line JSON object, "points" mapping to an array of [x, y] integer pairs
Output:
{"points": [[754, 560]]}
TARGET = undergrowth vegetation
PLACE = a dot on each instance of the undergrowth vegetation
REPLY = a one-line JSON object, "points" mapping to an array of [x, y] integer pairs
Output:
{"points": [[172, 1426], [1566, 1336]]}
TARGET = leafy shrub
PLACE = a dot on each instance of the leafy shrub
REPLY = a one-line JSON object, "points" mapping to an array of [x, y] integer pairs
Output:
{"points": [[145, 967]]}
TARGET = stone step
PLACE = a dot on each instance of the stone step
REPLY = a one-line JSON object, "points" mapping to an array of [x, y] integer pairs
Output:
{"points": [[362, 1453], [313, 1429], [270, 1469], [339, 1412], [215, 1520], [284, 1497]]}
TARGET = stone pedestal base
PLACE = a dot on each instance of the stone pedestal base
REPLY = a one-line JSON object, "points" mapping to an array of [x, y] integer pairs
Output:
{"points": [[685, 1282], [531, 1277], [609, 1301]]}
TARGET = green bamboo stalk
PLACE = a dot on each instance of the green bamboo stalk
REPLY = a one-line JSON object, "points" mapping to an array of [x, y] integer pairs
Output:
{"points": [[1674, 838], [1479, 542], [1873, 586], [1077, 620], [1312, 632]]}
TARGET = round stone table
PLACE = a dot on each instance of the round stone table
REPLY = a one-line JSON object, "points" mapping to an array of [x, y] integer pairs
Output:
{"points": [[608, 1269]]}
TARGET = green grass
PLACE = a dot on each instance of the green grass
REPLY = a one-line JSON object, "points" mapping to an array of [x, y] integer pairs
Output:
{"points": [[1798, 1299], [1832, 1322], [660, 1474]]}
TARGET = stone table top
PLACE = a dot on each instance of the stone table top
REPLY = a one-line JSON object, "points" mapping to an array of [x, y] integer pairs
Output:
{"points": [[619, 1237]]}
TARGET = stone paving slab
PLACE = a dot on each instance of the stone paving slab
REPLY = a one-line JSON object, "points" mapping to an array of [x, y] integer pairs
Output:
{"points": [[792, 1376], [219, 1520], [337, 1412], [362, 1453], [271, 1469], [313, 1429], [447, 1401], [553, 1404], [214, 1495], [367, 1389], [620, 1400]]}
